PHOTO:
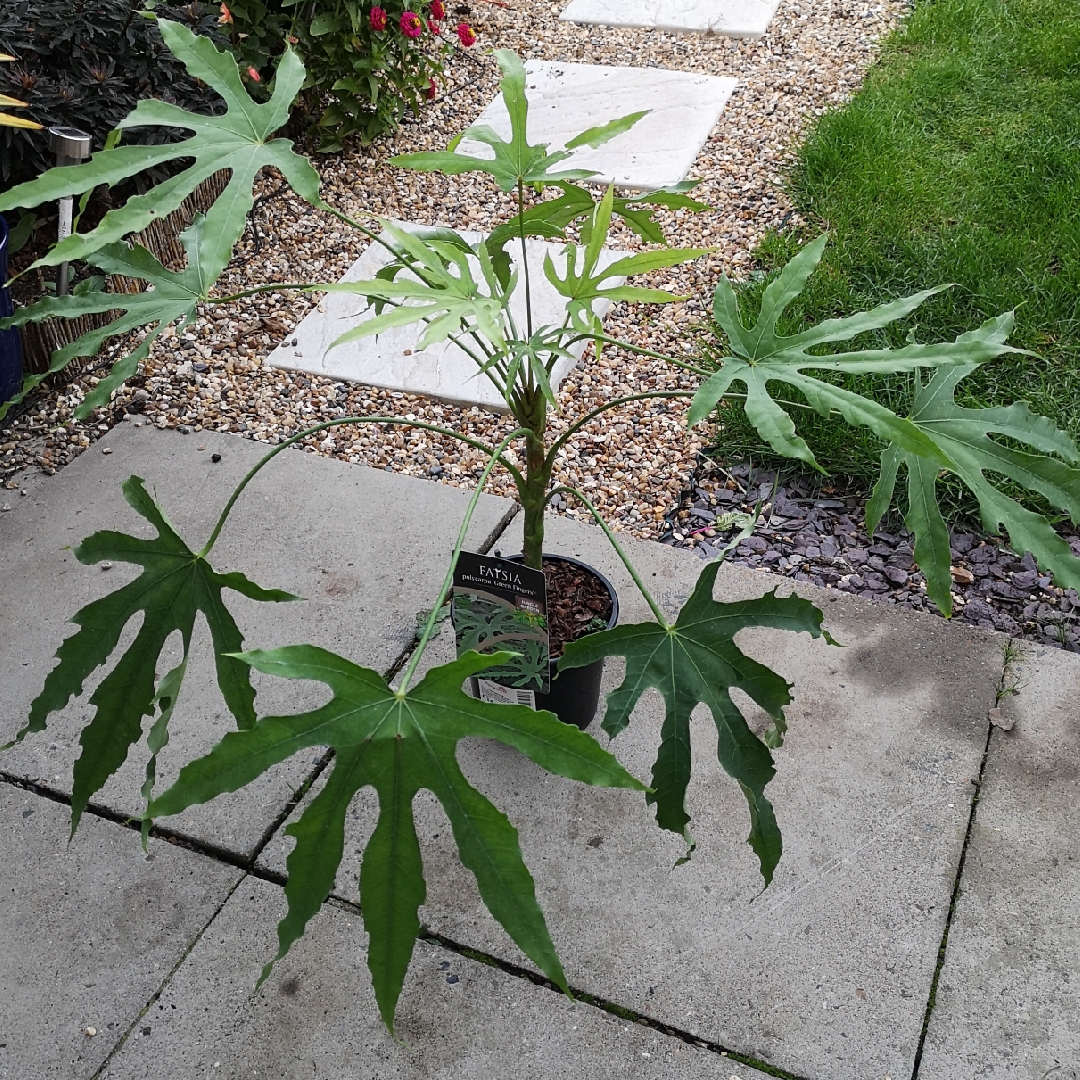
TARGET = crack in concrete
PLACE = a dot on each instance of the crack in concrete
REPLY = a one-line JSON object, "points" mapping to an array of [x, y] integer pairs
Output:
{"points": [[165, 982], [1010, 653]]}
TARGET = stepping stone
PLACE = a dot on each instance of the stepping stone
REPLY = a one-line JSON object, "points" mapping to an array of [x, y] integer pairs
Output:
{"points": [[324, 530], [660, 149], [1008, 1003], [732, 18], [828, 972], [316, 1015], [88, 932], [392, 361]]}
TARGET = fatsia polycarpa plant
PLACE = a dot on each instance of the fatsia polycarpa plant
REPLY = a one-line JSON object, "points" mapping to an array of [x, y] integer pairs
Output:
{"points": [[398, 739]]}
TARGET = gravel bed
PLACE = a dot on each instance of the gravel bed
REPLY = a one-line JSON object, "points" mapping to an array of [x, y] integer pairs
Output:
{"points": [[822, 539], [631, 461]]}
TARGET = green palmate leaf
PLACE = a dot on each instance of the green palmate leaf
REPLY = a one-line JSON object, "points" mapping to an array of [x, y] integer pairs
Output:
{"points": [[761, 356], [398, 743], [963, 437], [174, 586], [549, 219], [168, 298], [583, 282], [697, 661], [240, 140], [440, 288], [513, 162]]}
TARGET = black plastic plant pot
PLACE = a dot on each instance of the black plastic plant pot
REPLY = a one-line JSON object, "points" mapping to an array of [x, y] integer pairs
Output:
{"points": [[575, 692]]}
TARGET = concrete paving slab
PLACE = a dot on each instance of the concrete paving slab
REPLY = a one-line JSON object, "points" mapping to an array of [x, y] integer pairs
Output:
{"points": [[828, 973], [567, 99], [316, 1016], [731, 18], [88, 932], [322, 529], [392, 360], [1008, 1004]]}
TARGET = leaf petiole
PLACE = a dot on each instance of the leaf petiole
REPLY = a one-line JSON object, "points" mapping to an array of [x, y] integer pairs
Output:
{"points": [[618, 549], [433, 617], [476, 443]]}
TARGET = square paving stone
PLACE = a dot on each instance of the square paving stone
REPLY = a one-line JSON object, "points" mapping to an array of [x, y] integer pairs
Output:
{"points": [[567, 99], [88, 932], [391, 359], [366, 548], [1008, 1004], [731, 18], [316, 1016], [827, 973]]}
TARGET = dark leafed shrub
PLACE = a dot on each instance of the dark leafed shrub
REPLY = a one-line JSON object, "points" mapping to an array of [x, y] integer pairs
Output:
{"points": [[85, 64]]}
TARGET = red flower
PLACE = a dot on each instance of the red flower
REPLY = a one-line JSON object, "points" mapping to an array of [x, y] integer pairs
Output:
{"points": [[438, 11], [432, 90], [434, 27], [254, 75], [226, 15], [293, 40], [377, 19], [412, 26], [466, 34]]}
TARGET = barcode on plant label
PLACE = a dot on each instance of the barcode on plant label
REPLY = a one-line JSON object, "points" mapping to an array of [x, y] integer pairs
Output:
{"points": [[497, 694]]}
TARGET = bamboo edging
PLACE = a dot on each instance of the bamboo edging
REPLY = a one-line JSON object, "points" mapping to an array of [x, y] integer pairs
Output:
{"points": [[162, 239]]}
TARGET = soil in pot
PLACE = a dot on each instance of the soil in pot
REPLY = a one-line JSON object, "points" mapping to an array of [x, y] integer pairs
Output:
{"points": [[578, 601]]}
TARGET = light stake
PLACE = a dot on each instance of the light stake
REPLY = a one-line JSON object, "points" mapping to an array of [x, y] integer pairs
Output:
{"points": [[72, 147]]}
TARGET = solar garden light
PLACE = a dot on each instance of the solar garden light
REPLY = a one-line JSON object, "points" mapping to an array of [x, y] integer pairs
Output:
{"points": [[72, 147]]}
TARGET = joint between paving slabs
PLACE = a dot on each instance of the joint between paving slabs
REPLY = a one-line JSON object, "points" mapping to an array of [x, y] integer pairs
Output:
{"points": [[250, 869], [585, 998], [1006, 685]]}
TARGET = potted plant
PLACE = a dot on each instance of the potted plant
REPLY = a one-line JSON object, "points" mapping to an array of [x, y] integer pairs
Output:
{"points": [[401, 739]]}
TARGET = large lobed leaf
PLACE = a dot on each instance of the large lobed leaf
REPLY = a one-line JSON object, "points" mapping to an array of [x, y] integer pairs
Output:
{"points": [[398, 743], [168, 298], [697, 661], [515, 160], [963, 436], [761, 356], [174, 586], [239, 140], [440, 289]]}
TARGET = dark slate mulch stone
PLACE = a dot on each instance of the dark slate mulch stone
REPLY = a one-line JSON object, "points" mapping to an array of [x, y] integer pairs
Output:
{"points": [[823, 540]]}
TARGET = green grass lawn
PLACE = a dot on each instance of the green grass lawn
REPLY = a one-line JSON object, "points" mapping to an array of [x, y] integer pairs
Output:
{"points": [[958, 161]]}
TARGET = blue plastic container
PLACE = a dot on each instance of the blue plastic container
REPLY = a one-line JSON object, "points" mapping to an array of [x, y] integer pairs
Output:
{"points": [[11, 359]]}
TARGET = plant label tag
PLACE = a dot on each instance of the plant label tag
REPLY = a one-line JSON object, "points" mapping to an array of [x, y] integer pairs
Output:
{"points": [[502, 605], [497, 694]]}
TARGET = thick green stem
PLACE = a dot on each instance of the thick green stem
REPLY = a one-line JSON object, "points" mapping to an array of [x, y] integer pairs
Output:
{"points": [[533, 492]]}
